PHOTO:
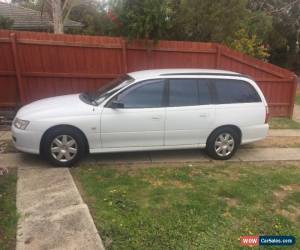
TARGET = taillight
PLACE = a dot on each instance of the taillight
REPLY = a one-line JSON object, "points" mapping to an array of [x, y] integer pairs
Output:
{"points": [[267, 115]]}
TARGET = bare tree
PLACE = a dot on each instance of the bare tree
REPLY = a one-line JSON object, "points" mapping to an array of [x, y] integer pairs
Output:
{"points": [[58, 22], [59, 11], [273, 6]]}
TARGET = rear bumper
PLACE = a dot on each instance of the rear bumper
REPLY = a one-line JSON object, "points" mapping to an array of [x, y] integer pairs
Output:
{"points": [[26, 140], [254, 133]]}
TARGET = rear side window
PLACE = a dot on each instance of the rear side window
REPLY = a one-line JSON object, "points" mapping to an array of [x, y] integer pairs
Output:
{"points": [[183, 92], [204, 93], [235, 91], [188, 92]]}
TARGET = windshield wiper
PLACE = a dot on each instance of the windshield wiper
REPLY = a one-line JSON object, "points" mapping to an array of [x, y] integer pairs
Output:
{"points": [[87, 98]]}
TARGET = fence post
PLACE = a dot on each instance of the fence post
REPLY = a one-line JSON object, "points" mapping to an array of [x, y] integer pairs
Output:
{"points": [[124, 55], [293, 96], [218, 56], [17, 67]]}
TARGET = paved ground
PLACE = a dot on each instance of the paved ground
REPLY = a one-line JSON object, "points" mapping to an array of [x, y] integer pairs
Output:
{"points": [[284, 132], [243, 154], [296, 115], [5, 135], [52, 212], [195, 155]]}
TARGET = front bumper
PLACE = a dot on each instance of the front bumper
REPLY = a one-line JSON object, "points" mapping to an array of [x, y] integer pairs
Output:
{"points": [[26, 140]]}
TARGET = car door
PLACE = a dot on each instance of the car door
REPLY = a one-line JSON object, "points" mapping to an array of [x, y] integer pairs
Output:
{"points": [[190, 114], [138, 120]]}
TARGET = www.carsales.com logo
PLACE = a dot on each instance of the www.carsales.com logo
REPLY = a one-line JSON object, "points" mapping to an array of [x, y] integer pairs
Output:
{"points": [[249, 241], [252, 241]]}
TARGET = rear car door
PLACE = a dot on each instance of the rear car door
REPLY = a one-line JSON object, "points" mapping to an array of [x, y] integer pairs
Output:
{"points": [[190, 113], [140, 122]]}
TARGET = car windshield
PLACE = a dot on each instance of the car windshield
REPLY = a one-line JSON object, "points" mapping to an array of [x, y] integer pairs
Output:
{"points": [[98, 96]]}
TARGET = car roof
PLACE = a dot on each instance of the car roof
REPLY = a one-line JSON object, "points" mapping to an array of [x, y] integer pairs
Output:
{"points": [[180, 72]]}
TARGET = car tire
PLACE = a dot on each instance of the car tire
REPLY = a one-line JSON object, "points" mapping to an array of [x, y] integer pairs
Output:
{"points": [[63, 146], [223, 143]]}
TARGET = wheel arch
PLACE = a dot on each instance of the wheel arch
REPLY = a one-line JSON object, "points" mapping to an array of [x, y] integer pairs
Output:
{"points": [[46, 133], [234, 127]]}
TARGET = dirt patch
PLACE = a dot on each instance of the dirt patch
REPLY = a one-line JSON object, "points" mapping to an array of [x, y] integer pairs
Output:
{"points": [[169, 183], [231, 202], [155, 183], [195, 171], [285, 191], [228, 174], [292, 213], [233, 175]]}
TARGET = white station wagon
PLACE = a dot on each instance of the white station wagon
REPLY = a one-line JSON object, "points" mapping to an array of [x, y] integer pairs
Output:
{"points": [[147, 110]]}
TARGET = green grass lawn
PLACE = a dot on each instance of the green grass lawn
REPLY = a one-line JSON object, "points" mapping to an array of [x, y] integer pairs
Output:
{"points": [[283, 123], [182, 207], [8, 214]]}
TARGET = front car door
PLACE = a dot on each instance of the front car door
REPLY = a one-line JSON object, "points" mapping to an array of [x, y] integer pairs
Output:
{"points": [[190, 114], [140, 122]]}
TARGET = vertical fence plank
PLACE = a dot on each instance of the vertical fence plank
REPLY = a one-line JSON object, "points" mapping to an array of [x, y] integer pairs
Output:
{"points": [[17, 67], [124, 55], [218, 56]]}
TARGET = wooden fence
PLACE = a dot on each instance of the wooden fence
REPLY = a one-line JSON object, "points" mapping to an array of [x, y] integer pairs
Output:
{"points": [[37, 65]]}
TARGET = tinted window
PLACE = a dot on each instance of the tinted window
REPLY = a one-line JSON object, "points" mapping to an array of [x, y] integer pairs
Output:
{"points": [[235, 91], [204, 94], [183, 92], [148, 94]]}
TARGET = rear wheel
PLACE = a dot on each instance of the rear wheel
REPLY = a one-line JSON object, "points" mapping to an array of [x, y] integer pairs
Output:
{"points": [[63, 146], [223, 143]]}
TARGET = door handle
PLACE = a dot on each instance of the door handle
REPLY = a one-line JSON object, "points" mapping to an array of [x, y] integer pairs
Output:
{"points": [[155, 117], [203, 115]]}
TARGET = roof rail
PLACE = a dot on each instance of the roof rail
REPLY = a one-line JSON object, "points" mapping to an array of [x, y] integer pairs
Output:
{"points": [[210, 74]]}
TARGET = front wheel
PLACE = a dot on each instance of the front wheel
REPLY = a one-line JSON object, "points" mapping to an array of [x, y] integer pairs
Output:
{"points": [[63, 147], [223, 143]]}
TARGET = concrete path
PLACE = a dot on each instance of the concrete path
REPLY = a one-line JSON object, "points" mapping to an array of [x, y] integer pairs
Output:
{"points": [[52, 212], [195, 155], [284, 132], [296, 115], [5, 135]]}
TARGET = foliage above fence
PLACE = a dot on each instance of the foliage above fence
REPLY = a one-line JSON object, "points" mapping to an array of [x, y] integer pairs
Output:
{"points": [[38, 65]]}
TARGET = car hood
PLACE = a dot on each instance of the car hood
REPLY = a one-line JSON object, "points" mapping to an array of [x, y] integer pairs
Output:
{"points": [[54, 107]]}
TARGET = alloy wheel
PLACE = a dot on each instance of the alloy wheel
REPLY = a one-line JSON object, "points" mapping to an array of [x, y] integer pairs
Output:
{"points": [[224, 144], [64, 148]]}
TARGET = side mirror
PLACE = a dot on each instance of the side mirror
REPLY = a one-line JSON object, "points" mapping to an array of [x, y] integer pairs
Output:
{"points": [[116, 105]]}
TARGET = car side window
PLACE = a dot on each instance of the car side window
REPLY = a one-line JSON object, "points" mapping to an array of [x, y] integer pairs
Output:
{"points": [[148, 94], [204, 92], [183, 92], [235, 91]]}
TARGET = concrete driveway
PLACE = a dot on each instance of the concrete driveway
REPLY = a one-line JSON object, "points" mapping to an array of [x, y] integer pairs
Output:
{"points": [[52, 212]]}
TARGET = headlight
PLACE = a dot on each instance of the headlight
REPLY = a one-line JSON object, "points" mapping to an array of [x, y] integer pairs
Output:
{"points": [[21, 124]]}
